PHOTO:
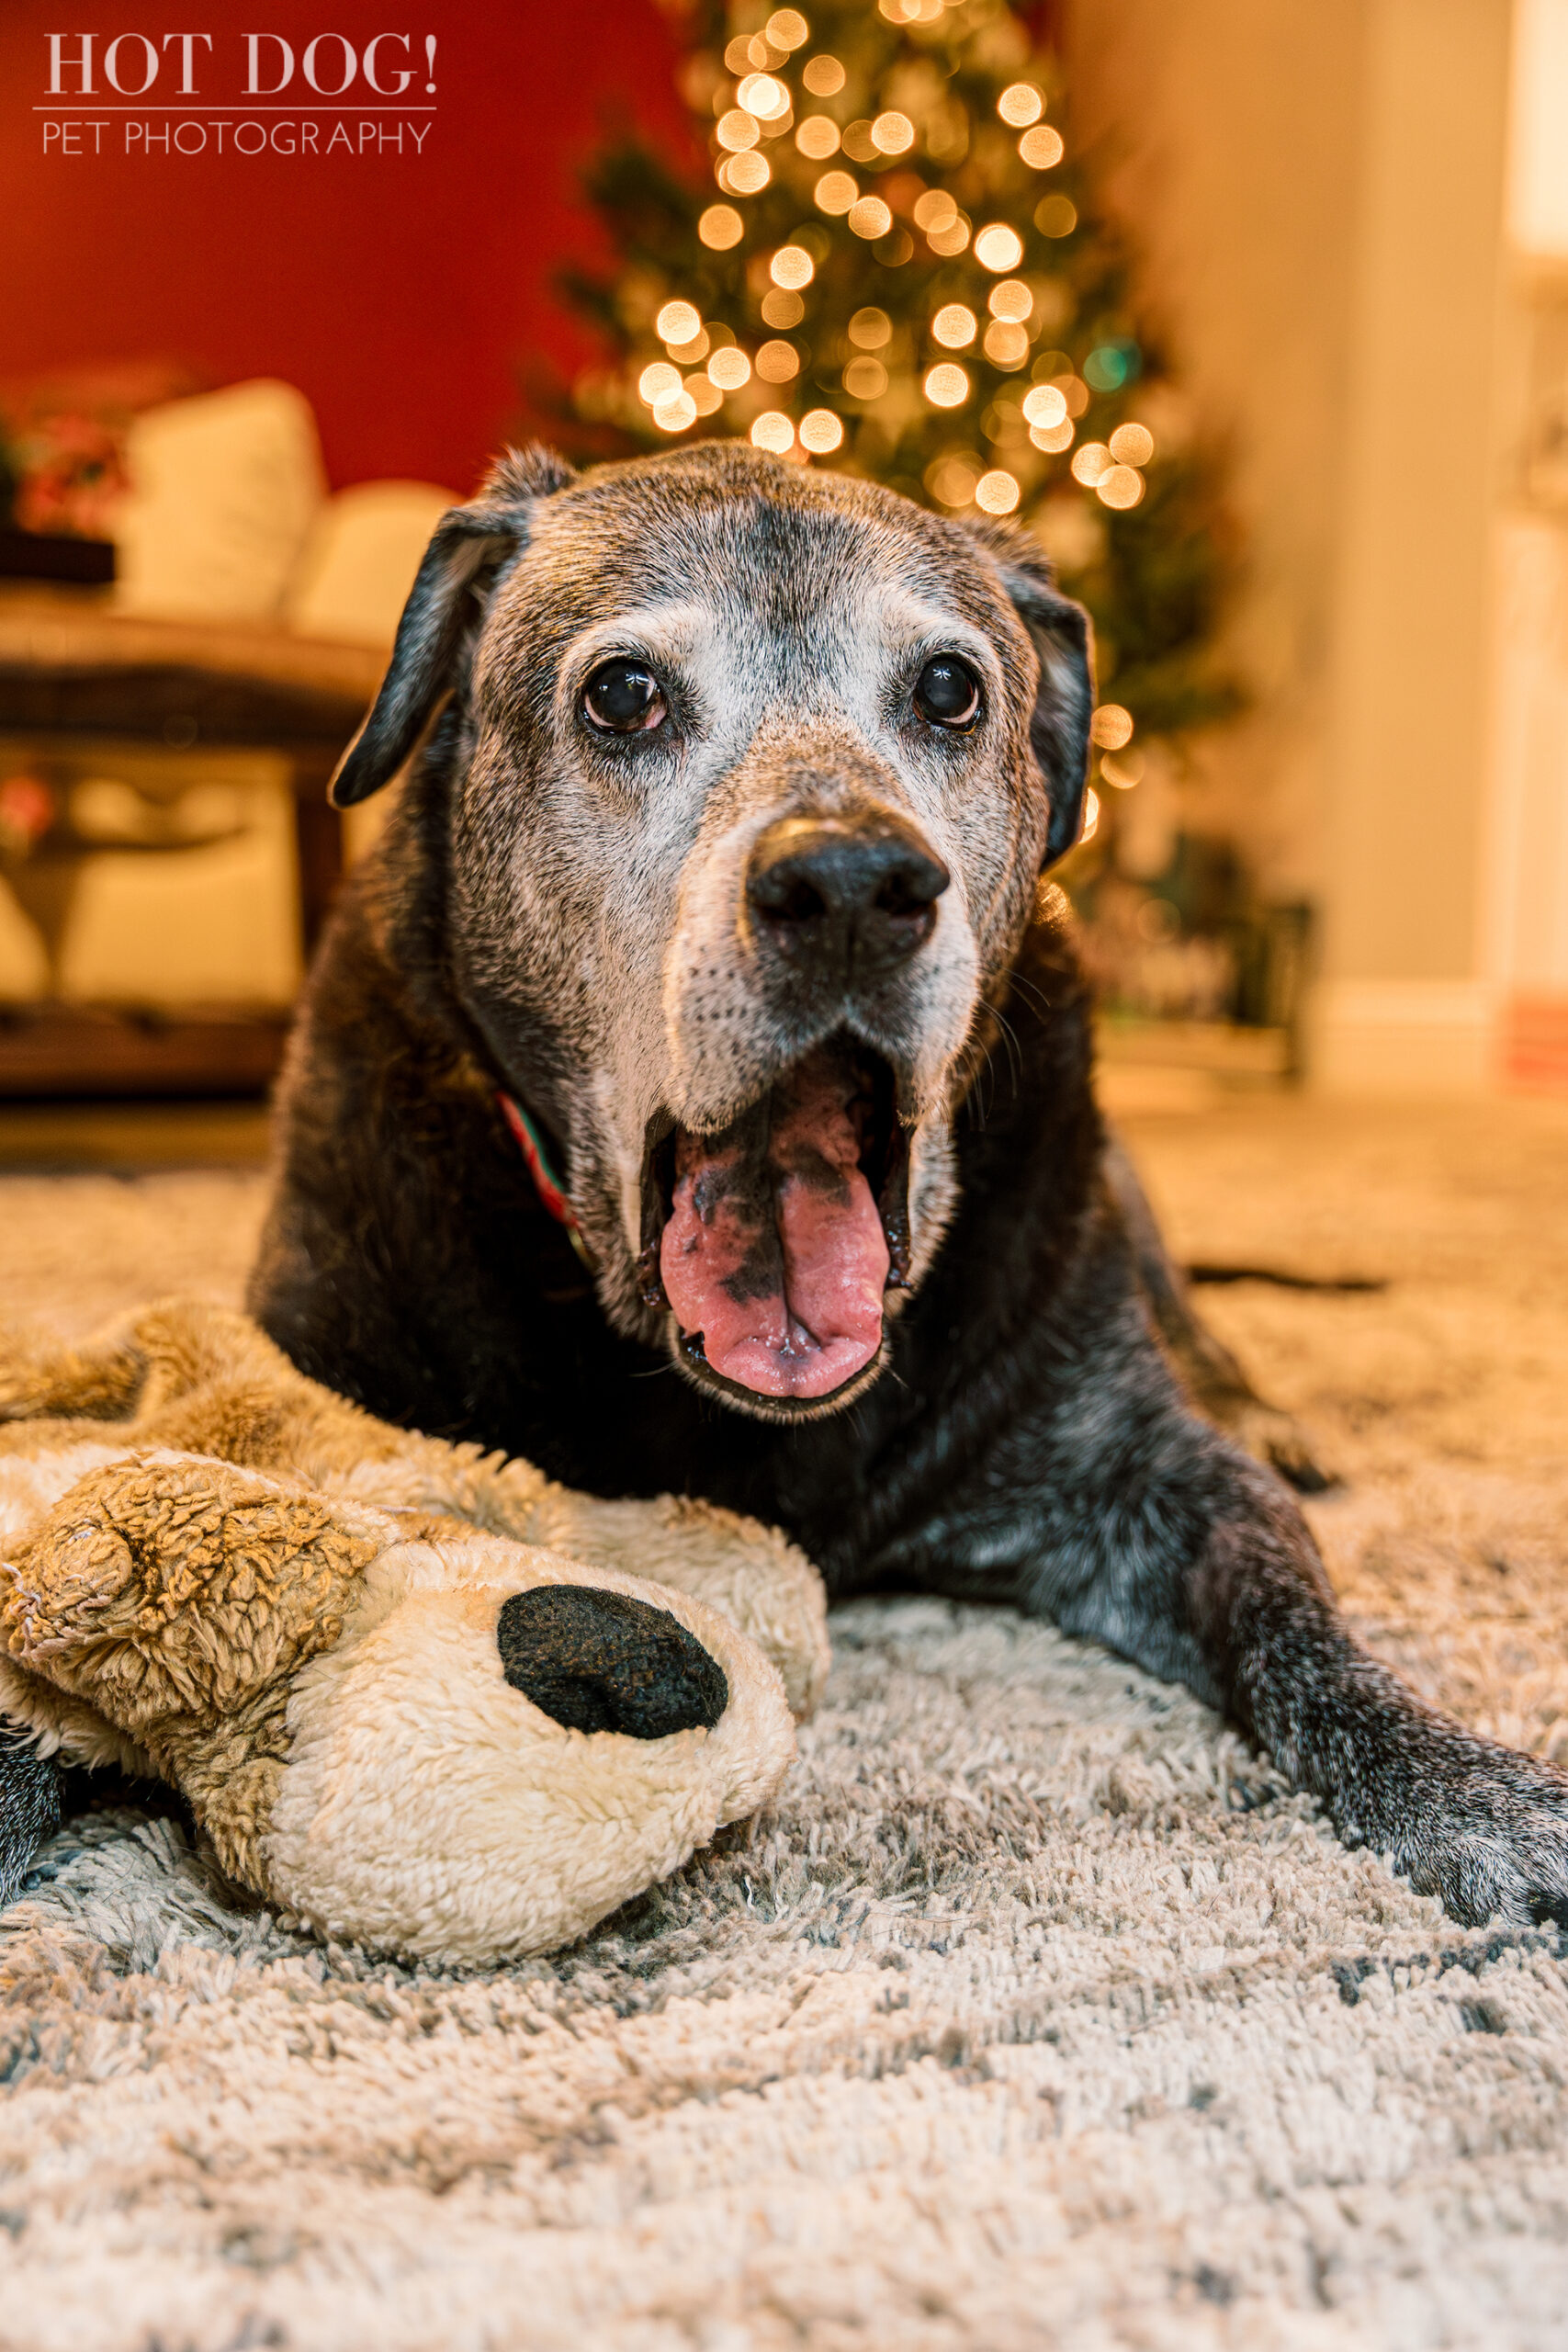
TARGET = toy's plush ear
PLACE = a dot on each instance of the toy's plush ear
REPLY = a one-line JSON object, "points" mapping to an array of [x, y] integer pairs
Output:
{"points": [[1063, 638], [169, 1591], [472, 548]]}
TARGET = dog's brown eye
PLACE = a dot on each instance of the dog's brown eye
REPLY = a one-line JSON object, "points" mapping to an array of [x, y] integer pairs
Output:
{"points": [[947, 691], [623, 698]]}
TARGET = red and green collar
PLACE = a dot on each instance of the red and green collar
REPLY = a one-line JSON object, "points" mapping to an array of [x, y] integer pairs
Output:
{"points": [[546, 1184]]}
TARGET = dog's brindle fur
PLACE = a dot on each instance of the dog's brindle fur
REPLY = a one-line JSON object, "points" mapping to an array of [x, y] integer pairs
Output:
{"points": [[544, 917]]}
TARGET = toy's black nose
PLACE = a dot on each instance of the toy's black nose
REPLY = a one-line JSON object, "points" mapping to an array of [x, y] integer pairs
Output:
{"points": [[600, 1661], [848, 895]]}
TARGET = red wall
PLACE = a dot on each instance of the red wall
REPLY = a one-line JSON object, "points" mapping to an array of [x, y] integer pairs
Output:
{"points": [[399, 293]]}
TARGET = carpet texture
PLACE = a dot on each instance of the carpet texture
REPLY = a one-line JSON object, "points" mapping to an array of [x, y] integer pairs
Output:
{"points": [[1037, 2014]]}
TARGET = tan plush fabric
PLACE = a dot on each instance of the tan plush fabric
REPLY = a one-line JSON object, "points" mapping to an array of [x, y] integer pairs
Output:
{"points": [[1035, 2014], [219, 1572]]}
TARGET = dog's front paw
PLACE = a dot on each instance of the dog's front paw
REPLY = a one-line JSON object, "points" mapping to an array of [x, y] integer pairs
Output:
{"points": [[1279, 1440], [1482, 1829], [30, 1808]]}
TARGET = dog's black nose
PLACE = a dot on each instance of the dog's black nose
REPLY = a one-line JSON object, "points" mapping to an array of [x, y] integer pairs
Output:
{"points": [[853, 895]]}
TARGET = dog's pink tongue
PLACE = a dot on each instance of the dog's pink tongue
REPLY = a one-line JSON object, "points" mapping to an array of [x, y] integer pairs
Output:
{"points": [[775, 1250]]}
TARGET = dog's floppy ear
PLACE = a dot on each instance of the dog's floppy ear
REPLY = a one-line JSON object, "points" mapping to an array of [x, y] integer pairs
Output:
{"points": [[471, 545], [1062, 637]]}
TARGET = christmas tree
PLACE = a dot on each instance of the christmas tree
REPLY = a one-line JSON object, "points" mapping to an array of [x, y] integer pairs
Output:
{"points": [[894, 267]]}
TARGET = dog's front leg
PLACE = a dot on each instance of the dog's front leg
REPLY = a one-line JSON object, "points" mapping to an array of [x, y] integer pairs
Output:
{"points": [[1158, 1537], [1476, 1823], [30, 1807]]}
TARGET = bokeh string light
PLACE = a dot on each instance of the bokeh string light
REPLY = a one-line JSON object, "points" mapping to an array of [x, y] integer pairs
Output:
{"points": [[1120, 486], [791, 268], [955, 326], [997, 492], [720, 227], [893, 134], [998, 246], [674, 414], [762, 96], [816, 135], [782, 308], [659, 383], [1042, 404], [952, 238], [1131, 445], [1020, 104], [1006, 345], [947, 387], [744, 175], [729, 368], [777, 361], [678, 322], [1041, 148]]}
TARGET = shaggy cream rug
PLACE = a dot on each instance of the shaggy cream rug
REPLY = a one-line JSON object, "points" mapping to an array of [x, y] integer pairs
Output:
{"points": [[1039, 2014]]}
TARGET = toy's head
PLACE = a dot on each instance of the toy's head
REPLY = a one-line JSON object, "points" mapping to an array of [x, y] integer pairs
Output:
{"points": [[407, 1735], [503, 1745]]}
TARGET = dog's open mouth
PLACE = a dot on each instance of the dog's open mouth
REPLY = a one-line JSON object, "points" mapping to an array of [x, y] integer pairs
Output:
{"points": [[773, 1241]]}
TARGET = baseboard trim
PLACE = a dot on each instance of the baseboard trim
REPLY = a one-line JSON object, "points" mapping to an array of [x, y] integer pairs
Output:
{"points": [[1535, 1043], [1405, 1037]]}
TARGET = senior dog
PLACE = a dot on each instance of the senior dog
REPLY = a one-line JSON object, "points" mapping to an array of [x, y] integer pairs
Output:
{"points": [[694, 1092]]}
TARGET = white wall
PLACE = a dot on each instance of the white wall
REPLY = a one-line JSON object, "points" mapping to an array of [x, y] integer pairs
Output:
{"points": [[1525, 931], [1326, 198]]}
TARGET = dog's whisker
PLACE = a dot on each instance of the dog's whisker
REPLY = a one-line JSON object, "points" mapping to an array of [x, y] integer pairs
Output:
{"points": [[1015, 1051], [1028, 990]]}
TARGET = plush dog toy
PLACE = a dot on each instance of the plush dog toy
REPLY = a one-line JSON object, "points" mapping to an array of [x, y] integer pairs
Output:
{"points": [[421, 1699]]}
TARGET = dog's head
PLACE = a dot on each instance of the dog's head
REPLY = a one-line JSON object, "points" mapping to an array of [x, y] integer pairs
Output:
{"points": [[749, 773]]}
